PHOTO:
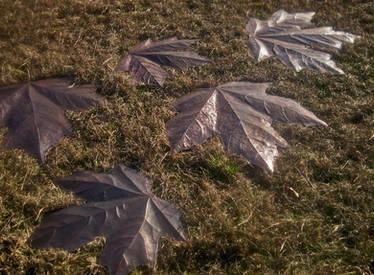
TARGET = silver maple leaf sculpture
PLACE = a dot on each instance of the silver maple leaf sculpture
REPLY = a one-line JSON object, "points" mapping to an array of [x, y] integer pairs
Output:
{"points": [[287, 37], [145, 60], [241, 115]]}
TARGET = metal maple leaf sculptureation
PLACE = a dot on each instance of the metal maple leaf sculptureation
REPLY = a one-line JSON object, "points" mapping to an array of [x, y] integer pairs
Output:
{"points": [[121, 208], [240, 114], [284, 35], [143, 62], [34, 112]]}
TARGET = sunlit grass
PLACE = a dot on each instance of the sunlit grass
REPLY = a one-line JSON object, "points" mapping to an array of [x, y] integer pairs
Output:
{"points": [[314, 215]]}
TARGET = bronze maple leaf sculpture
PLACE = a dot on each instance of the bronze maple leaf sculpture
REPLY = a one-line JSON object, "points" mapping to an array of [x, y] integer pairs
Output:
{"points": [[143, 62], [286, 36], [240, 114], [120, 207], [34, 112]]}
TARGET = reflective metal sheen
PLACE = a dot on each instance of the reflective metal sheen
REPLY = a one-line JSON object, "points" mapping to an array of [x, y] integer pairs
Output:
{"points": [[240, 114], [287, 37], [121, 208], [145, 60], [34, 112]]}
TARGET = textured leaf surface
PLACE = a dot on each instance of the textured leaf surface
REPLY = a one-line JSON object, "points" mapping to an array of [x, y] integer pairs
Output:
{"points": [[283, 36], [145, 60], [240, 113], [121, 208], [34, 112]]}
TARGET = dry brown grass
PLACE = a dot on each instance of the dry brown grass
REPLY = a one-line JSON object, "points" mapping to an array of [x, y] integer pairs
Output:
{"points": [[314, 215]]}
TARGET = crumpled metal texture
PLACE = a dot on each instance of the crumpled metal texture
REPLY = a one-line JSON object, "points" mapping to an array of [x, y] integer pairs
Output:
{"points": [[240, 114], [143, 62], [34, 112], [121, 208], [286, 36]]}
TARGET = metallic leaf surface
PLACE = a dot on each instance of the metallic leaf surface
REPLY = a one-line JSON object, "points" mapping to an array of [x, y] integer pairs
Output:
{"points": [[145, 60], [240, 114], [287, 37], [34, 112], [119, 207]]}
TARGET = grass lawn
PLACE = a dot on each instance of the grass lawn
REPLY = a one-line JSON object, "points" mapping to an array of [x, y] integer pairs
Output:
{"points": [[313, 215]]}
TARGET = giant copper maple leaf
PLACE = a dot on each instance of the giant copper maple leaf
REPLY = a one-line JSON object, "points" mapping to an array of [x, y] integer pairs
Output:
{"points": [[34, 112], [286, 36], [121, 208], [240, 114], [143, 62]]}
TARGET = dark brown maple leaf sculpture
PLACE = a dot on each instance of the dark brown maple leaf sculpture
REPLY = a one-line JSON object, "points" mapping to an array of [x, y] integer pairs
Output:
{"points": [[240, 114], [284, 35], [34, 112], [121, 208], [143, 62]]}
